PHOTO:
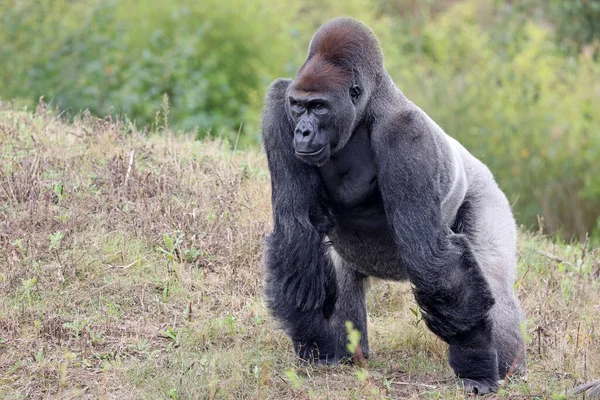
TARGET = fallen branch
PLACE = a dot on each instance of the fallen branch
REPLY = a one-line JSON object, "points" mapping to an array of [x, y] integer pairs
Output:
{"points": [[590, 389], [415, 384], [123, 266], [553, 257]]}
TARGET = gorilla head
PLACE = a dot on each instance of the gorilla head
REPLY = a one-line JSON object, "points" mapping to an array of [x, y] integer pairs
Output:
{"points": [[328, 98]]}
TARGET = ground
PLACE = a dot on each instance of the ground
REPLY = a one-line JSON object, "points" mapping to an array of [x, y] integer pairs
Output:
{"points": [[130, 269]]}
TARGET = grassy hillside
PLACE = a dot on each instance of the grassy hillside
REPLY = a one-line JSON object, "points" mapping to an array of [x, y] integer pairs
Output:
{"points": [[130, 269]]}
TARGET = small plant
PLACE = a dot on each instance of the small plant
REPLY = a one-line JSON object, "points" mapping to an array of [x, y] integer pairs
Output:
{"points": [[113, 310], [418, 316], [230, 322], [248, 171], [63, 217], [142, 345], [39, 357], [173, 335], [211, 217], [56, 239], [354, 348], [172, 394], [19, 245], [294, 379], [361, 372], [165, 111], [77, 326], [258, 320], [354, 336], [28, 285], [171, 245], [96, 337], [59, 191], [64, 366], [192, 254]]}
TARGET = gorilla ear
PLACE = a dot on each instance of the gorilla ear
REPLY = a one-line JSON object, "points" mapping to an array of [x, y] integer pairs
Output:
{"points": [[355, 93]]}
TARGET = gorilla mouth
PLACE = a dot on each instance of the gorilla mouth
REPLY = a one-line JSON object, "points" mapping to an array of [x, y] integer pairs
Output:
{"points": [[317, 157], [310, 153]]}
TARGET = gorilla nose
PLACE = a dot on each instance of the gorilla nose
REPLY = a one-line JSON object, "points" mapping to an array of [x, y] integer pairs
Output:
{"points": [[304, 141], [303, 131]]}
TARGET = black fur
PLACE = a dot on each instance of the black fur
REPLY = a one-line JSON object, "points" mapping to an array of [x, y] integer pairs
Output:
{"points": [[359, 178]]}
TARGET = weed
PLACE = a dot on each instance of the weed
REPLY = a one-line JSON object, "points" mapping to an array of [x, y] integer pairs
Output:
{"points": [[56, 239], [76, 326]]}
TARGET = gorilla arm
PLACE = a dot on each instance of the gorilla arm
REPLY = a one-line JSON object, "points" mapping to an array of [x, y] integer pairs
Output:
{"points": [[448, 283], [300, 283]]}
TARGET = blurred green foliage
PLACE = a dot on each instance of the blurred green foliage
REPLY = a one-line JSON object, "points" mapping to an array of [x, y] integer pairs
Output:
{"points": [[577, 22], [210, 57], [517, 82]]}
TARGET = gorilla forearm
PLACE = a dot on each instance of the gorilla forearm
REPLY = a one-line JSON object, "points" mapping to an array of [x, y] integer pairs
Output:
{"points": [[451, 289], [456, 300], [301, 290], [299, 274]]}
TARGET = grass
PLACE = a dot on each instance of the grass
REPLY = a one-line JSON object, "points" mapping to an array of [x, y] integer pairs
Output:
{"points": [[130, 269]]}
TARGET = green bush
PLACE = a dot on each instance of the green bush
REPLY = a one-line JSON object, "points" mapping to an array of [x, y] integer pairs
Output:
{"points": [[577, 22], [212, 58]]}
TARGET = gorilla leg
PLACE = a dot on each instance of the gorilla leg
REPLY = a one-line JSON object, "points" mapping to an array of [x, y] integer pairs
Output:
{"points": [[490, 227], [350, 305]]}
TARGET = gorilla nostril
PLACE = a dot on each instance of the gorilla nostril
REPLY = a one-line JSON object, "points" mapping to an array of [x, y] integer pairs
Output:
{"points": [[303, 132]]}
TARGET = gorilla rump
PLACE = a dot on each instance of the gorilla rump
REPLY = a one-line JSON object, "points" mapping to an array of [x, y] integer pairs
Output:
{"points": [[364, 184]]}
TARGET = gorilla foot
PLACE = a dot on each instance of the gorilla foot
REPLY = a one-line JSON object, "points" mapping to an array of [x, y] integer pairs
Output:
{"points": [[479, 386], [327, 361], [314, 355]]}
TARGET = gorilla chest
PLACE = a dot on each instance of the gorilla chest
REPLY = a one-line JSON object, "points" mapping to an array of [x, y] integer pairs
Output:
{"points": [[350, 176]]}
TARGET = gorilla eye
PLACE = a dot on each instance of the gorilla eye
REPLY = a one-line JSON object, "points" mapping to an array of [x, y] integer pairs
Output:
{"points": [[319, 108], [298, 108], [355, 92]]}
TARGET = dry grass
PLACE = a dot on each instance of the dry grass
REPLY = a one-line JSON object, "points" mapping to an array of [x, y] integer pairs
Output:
{"points": [[130, 268]]}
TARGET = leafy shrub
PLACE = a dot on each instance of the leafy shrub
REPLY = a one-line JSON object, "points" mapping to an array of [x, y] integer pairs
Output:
{"points": [[209, 57]]}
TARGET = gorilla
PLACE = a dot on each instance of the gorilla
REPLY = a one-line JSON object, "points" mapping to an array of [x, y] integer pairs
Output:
{"points": [[364, 183]]}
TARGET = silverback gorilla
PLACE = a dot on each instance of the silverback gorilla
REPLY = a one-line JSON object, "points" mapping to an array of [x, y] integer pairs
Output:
{"points": [[364, 184]]}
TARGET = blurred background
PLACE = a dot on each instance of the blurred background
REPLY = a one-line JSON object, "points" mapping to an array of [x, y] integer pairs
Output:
{"points": [[517, 82]]}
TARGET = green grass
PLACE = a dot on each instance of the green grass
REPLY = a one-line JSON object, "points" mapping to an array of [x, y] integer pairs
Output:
{"points": [[130, 268]]}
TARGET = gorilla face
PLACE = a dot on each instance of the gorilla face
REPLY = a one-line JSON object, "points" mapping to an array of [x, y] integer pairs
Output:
{"points": [[324, 122]]}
